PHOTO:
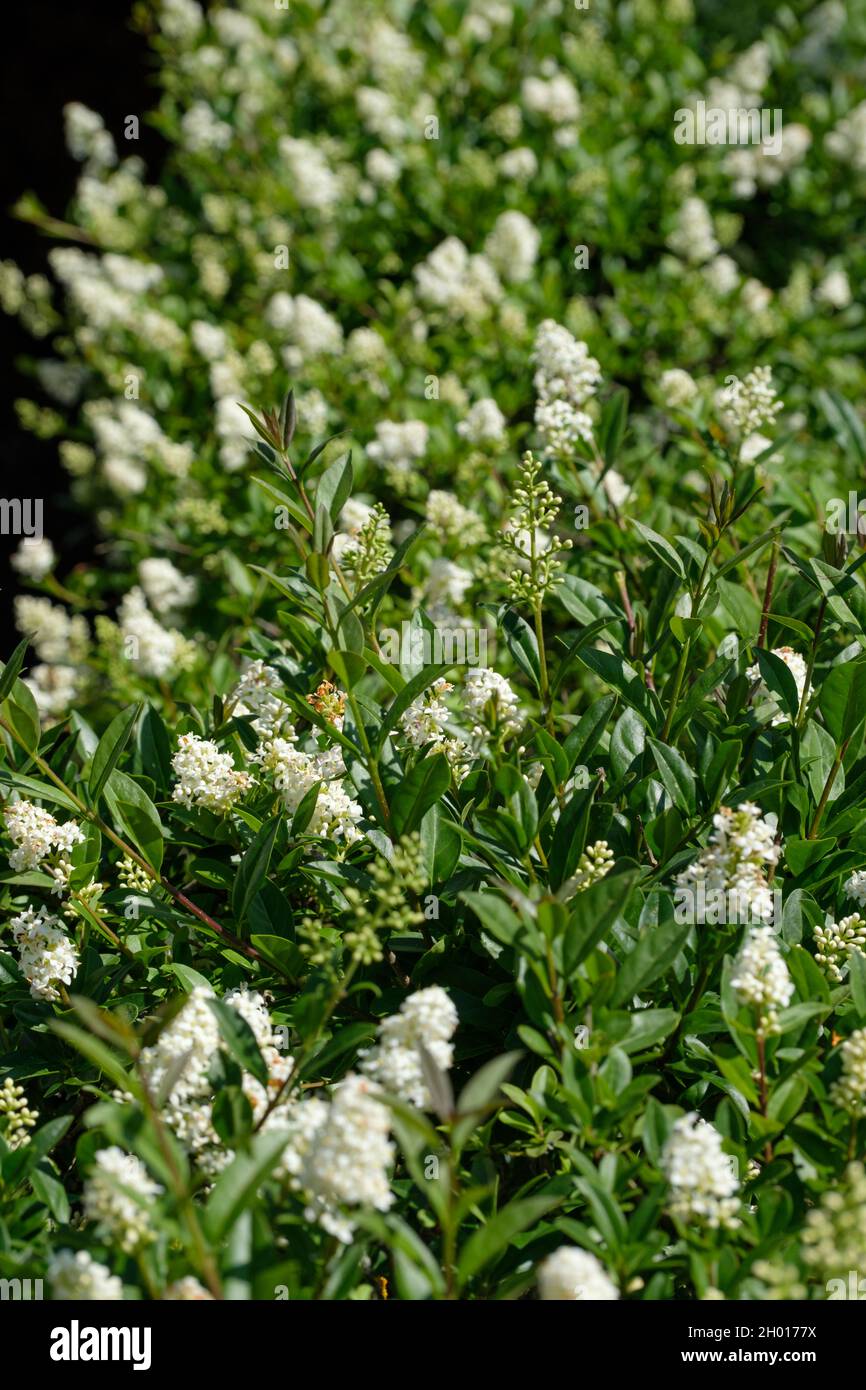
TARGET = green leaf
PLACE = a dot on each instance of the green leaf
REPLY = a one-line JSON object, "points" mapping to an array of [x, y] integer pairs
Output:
{"points": [[253, 868], [612, 427], [425, 784], [661, 548], [110, 748], [335, 486], [480, 1094], [135, 815], [842, 699], [96, 1052], [677, 777], [522, 644], [779, 680], [657, 948], [593, 914], [800, 855], [484, 1245], [237, 1185], [12, 668], [627, 743], [440, 845], [240, 1040]]}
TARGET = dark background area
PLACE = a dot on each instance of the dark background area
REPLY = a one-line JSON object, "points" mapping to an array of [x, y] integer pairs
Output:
{"points": [[83, 50]]}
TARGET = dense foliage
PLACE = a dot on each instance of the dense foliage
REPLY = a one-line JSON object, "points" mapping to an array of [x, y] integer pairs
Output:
{"points": [[435, 823]]}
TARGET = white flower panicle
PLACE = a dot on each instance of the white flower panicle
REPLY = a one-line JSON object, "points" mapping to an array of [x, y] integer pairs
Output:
{"points": [[294, 772], [570, 1274], [855, 887], [348, 1163], [849, 1092], [565, 379], [761, 980], [512, 246], [74, 1275], [484, 424], [206, 777], [750, 403], [156, 651], [700, 1175], [41, 842], [46, 956], [257, 697], [34, 558], [426, 1017], [693, 236], [117, 1196], [168, 591], [677, 387], [491, 704], [740, 850]]}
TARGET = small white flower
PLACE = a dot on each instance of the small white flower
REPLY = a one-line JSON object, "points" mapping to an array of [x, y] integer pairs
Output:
{"points": [[700, 1175], [571, 1274], [206, 777]]}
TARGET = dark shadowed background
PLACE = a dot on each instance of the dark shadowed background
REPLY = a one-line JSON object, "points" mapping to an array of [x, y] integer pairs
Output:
{"points": [[64, 50]]}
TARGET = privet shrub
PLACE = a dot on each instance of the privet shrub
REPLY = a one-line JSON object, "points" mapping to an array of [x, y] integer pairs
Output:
{"points": [[434, 825]]}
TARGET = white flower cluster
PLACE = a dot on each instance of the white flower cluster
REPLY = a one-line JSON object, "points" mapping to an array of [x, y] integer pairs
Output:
{"points": [[87, 139], [855, 887], [347, 1154], [512, 246], [570, 1274], [748, 404], [700, 1175], [168, 591], [693, 236], [74, 1275], [398, 444], [565, 379], [34, 558], [464, 286], [426, 1017], [741, 847], [677, 387], [847, 141], [47, 958], [38, 837], [761, 980], [312, 331], [849, 1092], [129, 439], [16, 1116], [118, 1193], [55, 636], [206, 777], [424, 725], [836, 942], [354, 518], [257, 697], [157, 651], [796, 665], [445, 589], [450, 520], [310, 177], [554, 97], [484, 424], [184, 1052], [491, 704], [761, 166], [294, 772], [834, 1237], [187, 1290]]}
